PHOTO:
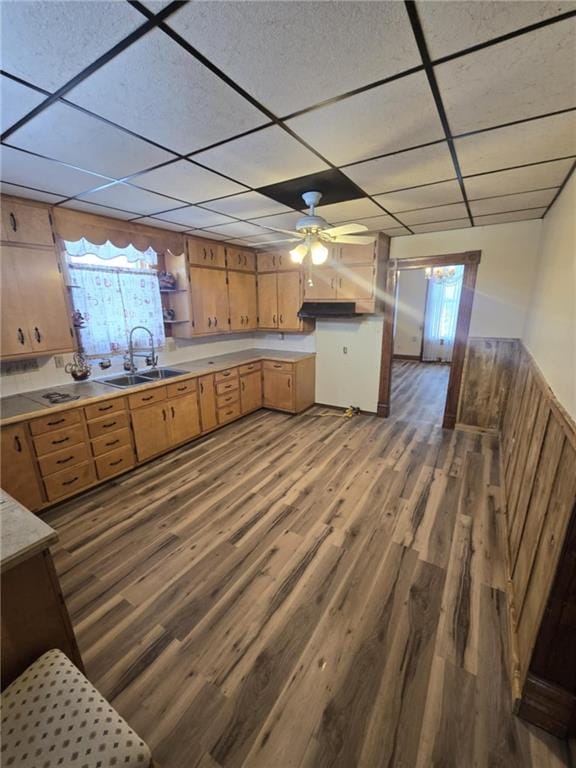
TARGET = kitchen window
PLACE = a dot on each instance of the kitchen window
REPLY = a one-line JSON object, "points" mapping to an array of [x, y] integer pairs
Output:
{"points": [[113, 289]]}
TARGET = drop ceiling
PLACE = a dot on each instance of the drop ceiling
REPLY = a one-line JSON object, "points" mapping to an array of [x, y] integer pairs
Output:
{"points": [[211, 118]]}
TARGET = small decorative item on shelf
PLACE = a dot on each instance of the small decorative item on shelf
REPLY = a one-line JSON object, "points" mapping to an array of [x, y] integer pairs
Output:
{"points": [[79, 368], [105, 363], [167, 281], [78, 319], [169, 314]]}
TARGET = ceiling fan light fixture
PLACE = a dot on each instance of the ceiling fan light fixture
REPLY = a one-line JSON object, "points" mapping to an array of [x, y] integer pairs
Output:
{"points": [[298, 254], [319, 252]]}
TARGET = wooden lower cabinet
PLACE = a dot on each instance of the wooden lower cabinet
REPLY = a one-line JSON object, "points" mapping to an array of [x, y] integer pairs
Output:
{"points": [[289, 386], [184, 419], [19, 475], [279, 390], [149, 425], [207, 399], [251, 392]]}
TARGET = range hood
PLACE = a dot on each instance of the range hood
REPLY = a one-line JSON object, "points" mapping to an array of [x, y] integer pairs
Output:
{"points": [[328, 309]]}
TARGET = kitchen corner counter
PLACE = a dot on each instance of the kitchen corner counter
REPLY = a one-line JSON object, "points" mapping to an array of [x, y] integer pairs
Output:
{"points": [[22, 533]]}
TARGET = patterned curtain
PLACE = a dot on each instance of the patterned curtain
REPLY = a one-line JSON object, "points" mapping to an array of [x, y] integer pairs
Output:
{"points": [[442, 303]]}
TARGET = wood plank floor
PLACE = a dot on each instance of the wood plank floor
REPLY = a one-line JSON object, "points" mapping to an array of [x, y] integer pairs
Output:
{"points": [[419, 390], [304, 592]]}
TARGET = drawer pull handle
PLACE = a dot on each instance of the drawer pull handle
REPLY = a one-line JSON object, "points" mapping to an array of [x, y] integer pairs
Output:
{"points": [[277, 365], [69, 482], [226, 373], [273, 319], [37, 334], [110, 424], [13, 222], [172, 410], [63, 440], [243, 385], [281, 320], [181, 389], [150, 397], [21, 338], [17, 444], [105, 407], [163, 414], [229, 413], [53, 423], [112, 442], [227, 386], [215, 322], [65, 461], [201, 388], [115, 463]]}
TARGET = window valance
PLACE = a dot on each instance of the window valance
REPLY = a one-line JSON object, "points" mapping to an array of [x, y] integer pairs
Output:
{"points": [[108, 251], [74, 226]]}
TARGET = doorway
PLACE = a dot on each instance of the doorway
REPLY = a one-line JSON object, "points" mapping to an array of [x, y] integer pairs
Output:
{"points": [[423, 348]]}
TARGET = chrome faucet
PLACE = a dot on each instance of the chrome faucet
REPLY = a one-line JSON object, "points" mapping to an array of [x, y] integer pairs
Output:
{"points": [[151, 356]]}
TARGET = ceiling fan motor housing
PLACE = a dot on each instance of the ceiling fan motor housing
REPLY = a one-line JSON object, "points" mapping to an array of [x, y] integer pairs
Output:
{"points": [[311, 224]]}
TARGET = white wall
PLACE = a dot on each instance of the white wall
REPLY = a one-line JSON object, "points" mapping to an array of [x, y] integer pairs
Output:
{"points": [[550, 332], [411, 303]]}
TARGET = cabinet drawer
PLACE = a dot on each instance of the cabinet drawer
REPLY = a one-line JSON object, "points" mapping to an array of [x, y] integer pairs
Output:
{"points": [[229, 373], [111, 442], [147, 397], [223, 400], [59, 460], [69, 481], [275, 365], [56, 421], [181, 388], [56, 441], [114, 462], [250, 368], [229, 413], [226, 386], [108, 424], [104, 409]]}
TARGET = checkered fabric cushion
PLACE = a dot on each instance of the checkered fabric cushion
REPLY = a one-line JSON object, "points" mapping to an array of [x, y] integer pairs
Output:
{"points": [[52, 716]]}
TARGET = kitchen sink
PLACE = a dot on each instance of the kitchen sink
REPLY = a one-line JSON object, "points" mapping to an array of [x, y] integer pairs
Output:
{"points": [[161, 373], [125, 381]]}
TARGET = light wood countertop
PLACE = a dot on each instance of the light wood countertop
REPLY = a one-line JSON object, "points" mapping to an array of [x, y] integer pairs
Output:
{"points": [[22, 533]]}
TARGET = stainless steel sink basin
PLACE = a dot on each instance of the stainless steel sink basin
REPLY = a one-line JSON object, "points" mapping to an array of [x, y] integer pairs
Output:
{"points": [[130, 380], [161, 373]]}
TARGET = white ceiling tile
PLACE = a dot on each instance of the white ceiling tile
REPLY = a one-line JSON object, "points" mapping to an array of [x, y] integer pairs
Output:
{"points": [[247, 205], [397, 231], [440, 226], [348, 210], [523, 77], [270, 237], [16, 101], [50, 43], [183, 106], [518, 179], [422, 197], [129, 198], [192, 216], [261, 158], [237, 229], [153, 222], [546, 139], [29, 194], [512, 202], [280, 221], [406, 169], [239, 241], [66, 134], [156, 5], [186, 181], [100, 210], [31, 171], [375, 223], [306, 52], [207, 235], [503, 218], [454, 26], [440, 213], [395, 116]]}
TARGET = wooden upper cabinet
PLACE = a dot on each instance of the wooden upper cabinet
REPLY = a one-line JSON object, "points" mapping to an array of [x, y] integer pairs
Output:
{"points": [[207, 400], [23, 223], [324, 284], [239, 258], [243, 302], [206, 253], [209, 295], [267, 301], [36, 316], [355, 254], [289, 300], [184, 421], [272, 261], [17, 462], [355, 283]]}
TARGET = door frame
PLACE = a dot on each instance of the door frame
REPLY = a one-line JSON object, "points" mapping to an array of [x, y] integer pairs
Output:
{"points": [[469, 260]]}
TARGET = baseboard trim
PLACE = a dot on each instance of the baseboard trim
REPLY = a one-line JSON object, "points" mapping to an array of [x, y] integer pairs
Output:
{"points": [[417, 358], [345, 408], [547, 705]]}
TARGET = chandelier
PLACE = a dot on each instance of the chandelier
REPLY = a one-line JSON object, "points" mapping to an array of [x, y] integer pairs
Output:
{"points": [[439, 274]]}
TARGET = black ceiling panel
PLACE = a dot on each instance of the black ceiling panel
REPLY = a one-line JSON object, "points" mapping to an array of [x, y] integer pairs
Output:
{"points": [[334, 185]]}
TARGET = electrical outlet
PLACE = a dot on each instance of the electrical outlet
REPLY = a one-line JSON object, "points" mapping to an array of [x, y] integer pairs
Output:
{"points": [[59, 361], [345, 350]]}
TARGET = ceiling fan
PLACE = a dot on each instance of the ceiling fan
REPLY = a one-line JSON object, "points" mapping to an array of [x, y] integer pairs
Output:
{"points": [[316, 233]]}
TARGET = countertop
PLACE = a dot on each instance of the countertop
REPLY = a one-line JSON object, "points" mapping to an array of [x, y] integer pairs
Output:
{"points": [[22, 534], [16, 408]]}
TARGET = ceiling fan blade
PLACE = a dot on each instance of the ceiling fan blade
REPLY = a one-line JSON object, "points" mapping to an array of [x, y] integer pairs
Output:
{"points": [[344, 229], [352, 240]]}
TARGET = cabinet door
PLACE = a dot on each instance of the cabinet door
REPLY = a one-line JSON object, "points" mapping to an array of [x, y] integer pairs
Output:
{"points": [[15, 339], [238, 258], [184, 418], [207, 398], [356, 254], [209, 300], [251, 392], [268, 261], [278, 390], [267, 301], [19, 476], [150, 427], [206, 253], [289, 301], [355, 282], [243, 303], [25, 224], [43, 293], [324, 281]]}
